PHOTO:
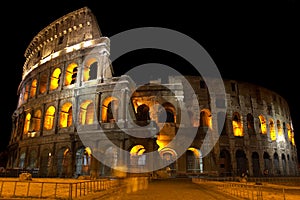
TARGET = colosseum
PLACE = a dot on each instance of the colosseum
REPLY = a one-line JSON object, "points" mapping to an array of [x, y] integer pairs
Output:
{"points": [[68, 87]]}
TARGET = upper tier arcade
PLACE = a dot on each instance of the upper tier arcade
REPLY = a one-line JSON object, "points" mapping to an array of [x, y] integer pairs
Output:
{"points": [[72, 29]]}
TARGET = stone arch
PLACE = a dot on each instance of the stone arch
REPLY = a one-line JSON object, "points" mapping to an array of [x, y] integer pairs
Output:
{"points": [[284, 165], [262, 124], [32, 161], [27, 124], [83, 161], [194, 162], [241, 162], [71, 73], [279, 130], [237, 125], [169, 157], [64, 162], [66, 115], [110, 109], [86, 113], [33, 88], [267, 163], [276, 164], [55, 78], [137, 157], [143, 113], [90, 69], [45, 162], [111, 161], [22, 158], [205, 119], [250, 123], [36, 121], [43, 81], [272, 129], [255, 164], [167, 113], [225, 163], [49, 118]]}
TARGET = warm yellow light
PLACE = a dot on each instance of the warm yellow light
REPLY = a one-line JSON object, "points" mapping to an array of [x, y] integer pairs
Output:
{"points": [[88, 151], [263, 125], [237, 129], [136, 149], [55, 79]]}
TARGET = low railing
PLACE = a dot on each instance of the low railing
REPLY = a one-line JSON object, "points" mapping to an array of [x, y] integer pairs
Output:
{"points": [[56, 190], [71, 189]]}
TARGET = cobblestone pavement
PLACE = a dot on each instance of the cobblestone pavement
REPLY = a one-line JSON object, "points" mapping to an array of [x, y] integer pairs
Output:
{"points": [[170, 189]]}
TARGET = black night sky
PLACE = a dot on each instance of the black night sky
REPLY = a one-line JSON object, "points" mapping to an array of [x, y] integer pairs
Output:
{"points": [[254, 41]]}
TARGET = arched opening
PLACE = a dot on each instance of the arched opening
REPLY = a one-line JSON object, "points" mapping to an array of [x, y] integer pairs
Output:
{"points": [[255, 164], [137, 157], [169, 157], [167, 113], [66, 115], [250, 124], [33, 88], [55, 79], [205, 119], [49, 118], [71, 74], [143, 113], [90, 69], [267, 164], [280, 131], [86, 114], [194, 162], [272, 130], [276, 164], [36, 121], [262, 124], [237, 125], [110, 161], [45, 162], [290, 165], [241, 162], [64, 163], [110, 109], [27, 124], [225, 163], [43, 82], [83, 161], [32, 162], [22, 160], [284, 172]]}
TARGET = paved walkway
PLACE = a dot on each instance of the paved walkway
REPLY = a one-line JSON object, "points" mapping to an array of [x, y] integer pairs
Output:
{"points": [[170, 189]]}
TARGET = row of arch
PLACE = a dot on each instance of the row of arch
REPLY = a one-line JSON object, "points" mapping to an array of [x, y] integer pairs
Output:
{"points": [[260, 165], [276, 130], [110, 111], [61, 162]]}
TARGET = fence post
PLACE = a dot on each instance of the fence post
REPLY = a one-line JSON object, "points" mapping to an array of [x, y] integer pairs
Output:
{"points": [[70, 190], [2, 183], [41, 194], [28, 188], [55, 190], [15, 187]]}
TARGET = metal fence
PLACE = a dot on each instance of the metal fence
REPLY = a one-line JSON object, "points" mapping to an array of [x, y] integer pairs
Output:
{"points": [[53, 190], [66, 190]]}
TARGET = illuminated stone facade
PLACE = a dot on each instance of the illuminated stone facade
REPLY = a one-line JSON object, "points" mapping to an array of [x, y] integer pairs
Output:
{"points": [[67, 86]]}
